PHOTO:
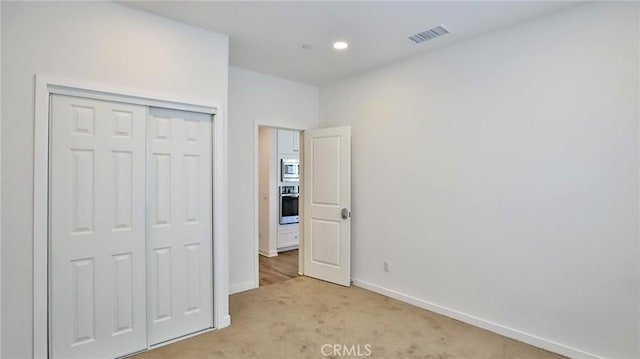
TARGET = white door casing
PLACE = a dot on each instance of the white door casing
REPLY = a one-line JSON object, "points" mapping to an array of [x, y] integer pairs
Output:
{"points": [[327, 204], [179, 219], [97, 228]]}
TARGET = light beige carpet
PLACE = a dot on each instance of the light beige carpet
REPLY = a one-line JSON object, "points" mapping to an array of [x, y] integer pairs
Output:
{"points": [[296, 318]]}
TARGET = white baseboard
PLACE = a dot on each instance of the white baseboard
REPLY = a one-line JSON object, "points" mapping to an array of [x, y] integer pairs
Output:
{"points": [[479, 322], [179, 339], [268, 253], [241, 287]]}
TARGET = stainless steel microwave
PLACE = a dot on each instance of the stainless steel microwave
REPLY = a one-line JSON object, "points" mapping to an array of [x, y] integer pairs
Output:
{"points": [[290, 170]]}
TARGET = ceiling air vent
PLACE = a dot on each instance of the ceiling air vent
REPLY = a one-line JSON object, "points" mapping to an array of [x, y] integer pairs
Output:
{"points": [[429, 34]]}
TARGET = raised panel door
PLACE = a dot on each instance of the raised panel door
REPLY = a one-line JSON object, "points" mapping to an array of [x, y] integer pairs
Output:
{"points": [[180, 224], [327, 202], [97, 228]]}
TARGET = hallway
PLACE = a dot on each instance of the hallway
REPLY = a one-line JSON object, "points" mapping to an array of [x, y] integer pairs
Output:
{"points": [[279, 268]]}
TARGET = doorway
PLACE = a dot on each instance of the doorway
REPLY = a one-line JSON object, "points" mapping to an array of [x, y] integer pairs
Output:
{"points": [[324, 198], [277, 269], [278, 179]]}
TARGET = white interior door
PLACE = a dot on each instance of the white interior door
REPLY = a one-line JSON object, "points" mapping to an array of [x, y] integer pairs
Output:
{"points": [[97, 228], [180, 218], [327, 204]]}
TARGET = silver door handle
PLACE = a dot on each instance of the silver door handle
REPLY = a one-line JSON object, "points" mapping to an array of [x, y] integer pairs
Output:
{"points": [[345, 213]]}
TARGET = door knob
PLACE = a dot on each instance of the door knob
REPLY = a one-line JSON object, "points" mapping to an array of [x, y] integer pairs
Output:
{"points": [[345, 213]]}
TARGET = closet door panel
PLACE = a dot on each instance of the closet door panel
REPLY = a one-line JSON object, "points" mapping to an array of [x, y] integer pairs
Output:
{"points": [[180, 217], [97, 228]]}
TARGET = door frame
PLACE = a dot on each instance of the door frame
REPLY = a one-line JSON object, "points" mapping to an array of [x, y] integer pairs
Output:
{"points": [[46, 85], [256, 201]]}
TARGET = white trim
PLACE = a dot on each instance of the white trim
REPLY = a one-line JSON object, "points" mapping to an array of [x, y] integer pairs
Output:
{"points": [[224, 322], [273, 253], [143, 101], [241, 287], [221, 317], [301, 213], [151, 347], [0, 186], [638, 199], [256, 202], [40, 219], [45, 85], [479, 322], [105, 92], [256, 209], [274, 197]]}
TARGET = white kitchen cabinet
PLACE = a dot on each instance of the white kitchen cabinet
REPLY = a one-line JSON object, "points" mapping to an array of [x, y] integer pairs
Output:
{"points": [[296, 142], [288, 142], [286, 240], [288, 237]]}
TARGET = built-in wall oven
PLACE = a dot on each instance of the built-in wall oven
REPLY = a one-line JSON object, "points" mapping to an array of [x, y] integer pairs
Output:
{"points": [[289, 204], [290, 169]]}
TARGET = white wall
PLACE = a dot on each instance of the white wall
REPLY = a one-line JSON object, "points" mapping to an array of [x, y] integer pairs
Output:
{"points": [[500, 178], [267, 192], [89, 41], [256, 98], [0, 180]]}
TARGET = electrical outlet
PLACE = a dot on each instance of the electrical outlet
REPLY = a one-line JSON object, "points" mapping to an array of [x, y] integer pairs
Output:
{"points": [[386, 266]]}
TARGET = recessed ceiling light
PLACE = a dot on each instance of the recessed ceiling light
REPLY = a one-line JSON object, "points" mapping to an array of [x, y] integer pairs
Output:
{"points": [[340, 45]]}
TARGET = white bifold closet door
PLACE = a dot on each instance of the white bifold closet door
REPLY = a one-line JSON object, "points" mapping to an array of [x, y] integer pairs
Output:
{"points": [[97, 228], [180, 213], [130, 226]]}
